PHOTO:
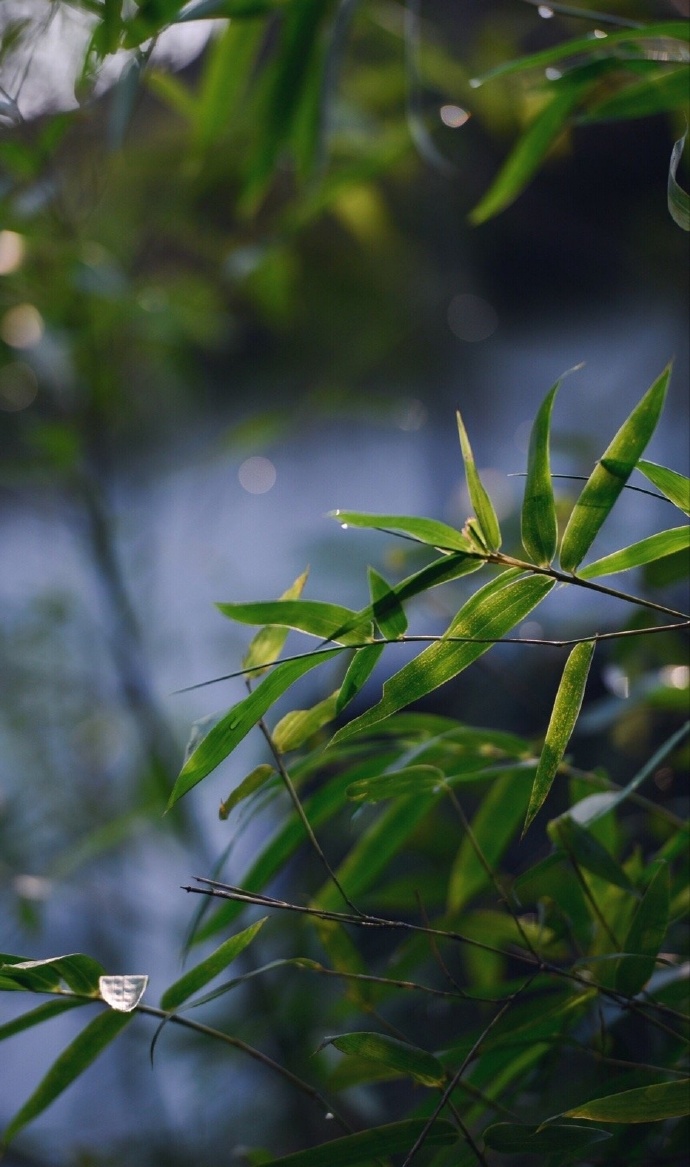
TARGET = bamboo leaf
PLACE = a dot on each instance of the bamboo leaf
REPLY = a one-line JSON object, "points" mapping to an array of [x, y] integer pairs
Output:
{"points": [[587, 851], [637, 554], [80, 972], [38, 1016], [481, 503], [511, 1138], [312, 616], [664, 92], [388, 611], [396, 1055], [538, 524], [429, 531], [358, 673], [357, 1150], [675, 486], [645, 935], [268, 643], [295, 728], [677, 198], [397, 783], [209, 968], [493, 826], [254, 781], [236, 724], [643, 1104], [487, 616], [123, 993], [611, 474], [564, 714], [70, 1064]]}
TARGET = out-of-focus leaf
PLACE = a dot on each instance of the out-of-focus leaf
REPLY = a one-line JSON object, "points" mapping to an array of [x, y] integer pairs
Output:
{"points": [[644, 1104], [645, 935], [122, 102], [564, 714], [675, 486], [637, 554], [430, 531], [411, 780], [677, 198], [71, 1063], [510, 1138], [611, 473], [392, 619], [539, 526], [397, 1055], [487, 616], [481, 503], [663, 92], [359, 671], [493, 826], [254, 781], [80, 972], [531, 148], [123, 993], [217, 9], [587, 851], [209, 968], [295, 728], [267, 645], [38, 1016], [358, 1150], [236, 724]]}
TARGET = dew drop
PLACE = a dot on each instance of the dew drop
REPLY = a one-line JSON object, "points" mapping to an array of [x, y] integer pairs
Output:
{"points": [[553, 74], [475, 82], [545, 12], [344, 526]]}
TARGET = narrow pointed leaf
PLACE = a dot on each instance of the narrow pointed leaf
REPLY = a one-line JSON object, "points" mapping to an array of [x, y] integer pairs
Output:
{"points": [[358, 1150], [564, 714], [293, 730], [637, 554], [397, 1055], [204, 972], [38, 1016], [539, 525], [410, 780], [359, 670], [123, 993], [675, 486], [511, 1138], [587, 851], [71, 1063], [645, 935], [644, 1104], [388, 611], [664, 91], [268, 643], [232, 728], [311, 616], [487, 616], [253, 782], [677, 198], [611, 474], [481, 503], [430, 531], [494, 825], [80, 972]]}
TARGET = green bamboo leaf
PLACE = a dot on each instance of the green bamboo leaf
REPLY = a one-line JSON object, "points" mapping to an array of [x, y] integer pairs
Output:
{"points": [[38, 1016], [358, 1150], [388, 611], [675, 486], [481, 503], [71, 1063], [531, 149], [564, 714], [254, 781], [587, 851], [397, 1055], [396, 783], [511, 1138], [312, 616], [123, 993], [236, 724], [430, 531], [359, 670], [677, 198], [611, 474], [645, 934], [637, 554], [268, 643], [539, 525], [643, 1104], [295, 728], [663, 92], [80, 972], [494, 825], [209, 968]]}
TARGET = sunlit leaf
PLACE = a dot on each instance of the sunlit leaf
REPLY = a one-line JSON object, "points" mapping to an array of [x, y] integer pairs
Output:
{"points": [[637, 554], [539, 527], [675, 486], [397, 783], [587, 851], [397, 1055], [80, 972], [430, 531], [358, 673], [645, 934], [295, 728], [268, 643], [388, 611], [510, 1138], [253, 782], [644, 1104], [487, 616], [123, 993], [71, 1063], [311, 616], [611, 474], [358, 1150], [565, 712], [481, 503], [236, 724], [204, 972]]}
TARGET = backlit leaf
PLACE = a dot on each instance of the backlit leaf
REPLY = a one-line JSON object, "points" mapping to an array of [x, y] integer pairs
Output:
{"points": [[611, 474], [645, 935], [311, 616], [358, 1150], [80, 972], [204, 972], [254, 781], [397, 1055], [538, 522], [267, 645], [430, 531], [644, 1104], [358, 672], [637, 554], [388, 611], [123, 993], [295, 728], [481, 503], [675, 486], [411, 780]]}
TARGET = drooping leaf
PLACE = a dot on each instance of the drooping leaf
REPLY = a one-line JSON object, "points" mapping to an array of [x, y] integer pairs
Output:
{"points": [[397, 1055], [236, 724], [643, 1104], [637, 554], [268, 643], [396, 784], [645, 934], [202, 973], [38, 1016], [70, 1064], [430, 531], [510, 1138], [388, 611], [481, 503], [80, 972], [611, 474], [311, 616], [359, 670], [538, 521], [123, 993], [581, 845], [494, 825], [564, 714], [677, 198], [675, 486], [253, 782], [295, 728], [360, 1149], [487, 616]]}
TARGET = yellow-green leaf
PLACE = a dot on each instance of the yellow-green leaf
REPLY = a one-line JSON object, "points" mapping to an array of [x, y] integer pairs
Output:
{"points": [[675, 486], [539, 526], [268, 642], [430, 531], [254, 781], [637, 554], [396, 783], [358, 672], [644, 1104], [397, 1055], [209, 968], [481, 503], [360, 1149], [295, 728], [388, 611]]}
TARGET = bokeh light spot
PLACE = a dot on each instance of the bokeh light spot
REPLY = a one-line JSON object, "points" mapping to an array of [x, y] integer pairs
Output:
{"points": [[411, 415], [453, 116], [257, 475], [11, 252], [18, 387], [22, 326], [471, 318]]}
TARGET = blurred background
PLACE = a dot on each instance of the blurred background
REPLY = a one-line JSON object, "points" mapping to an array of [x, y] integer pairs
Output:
{"points": [[207, 342]]}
